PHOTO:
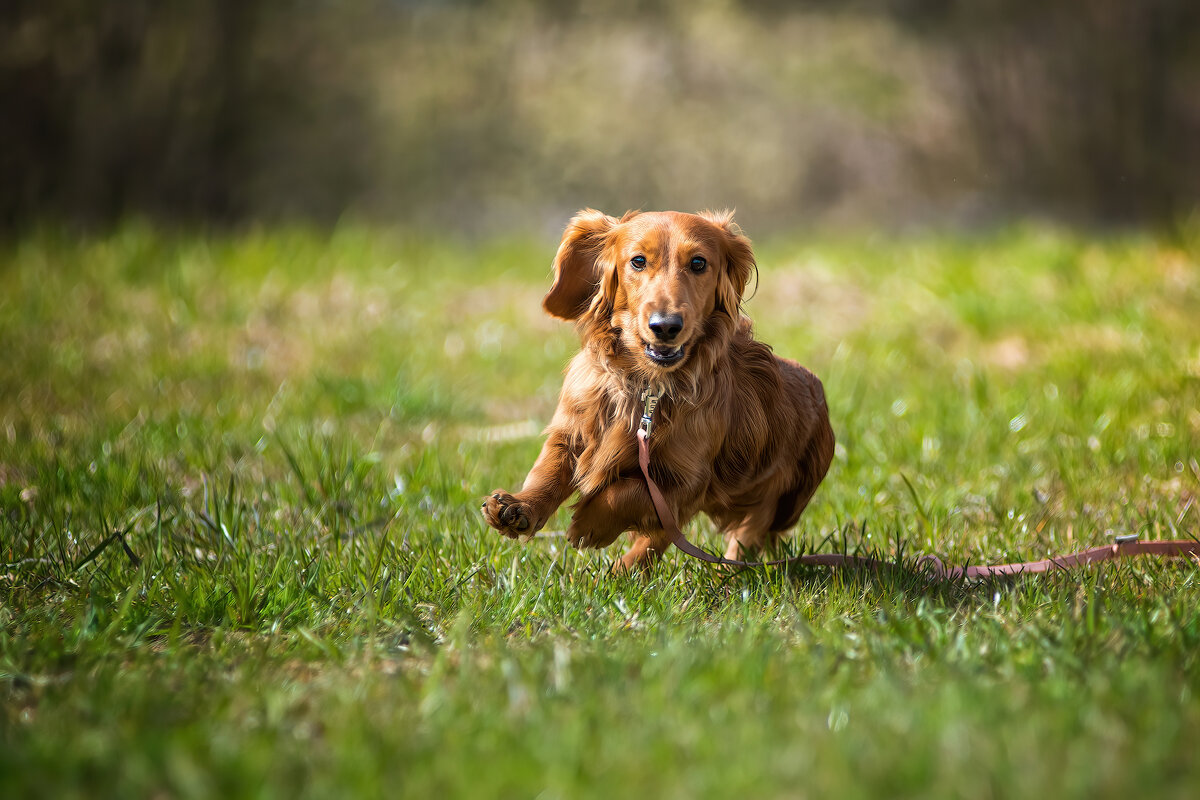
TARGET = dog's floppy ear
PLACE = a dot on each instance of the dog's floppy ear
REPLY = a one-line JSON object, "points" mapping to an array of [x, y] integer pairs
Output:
{"points": [[739, 262], [577, 271]]}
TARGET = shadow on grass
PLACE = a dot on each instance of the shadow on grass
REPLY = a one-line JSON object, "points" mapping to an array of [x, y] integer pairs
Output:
{"points": [[901, 574]]}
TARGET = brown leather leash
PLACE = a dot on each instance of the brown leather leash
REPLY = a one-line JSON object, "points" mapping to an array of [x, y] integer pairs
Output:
{"points": [[1124, 546]]}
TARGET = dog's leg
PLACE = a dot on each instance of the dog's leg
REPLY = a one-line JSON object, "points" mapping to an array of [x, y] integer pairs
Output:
{"points": [[603, 516], [647, 548], [547, 487], [766, 523], [750, 533], [622, 505]]}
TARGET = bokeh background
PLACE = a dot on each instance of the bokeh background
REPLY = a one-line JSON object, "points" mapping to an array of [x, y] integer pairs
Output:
{"points": [[270, 328], [480, 116]]}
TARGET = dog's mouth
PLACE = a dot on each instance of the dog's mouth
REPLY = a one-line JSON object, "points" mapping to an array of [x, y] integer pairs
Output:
{"points": [[664, 355]]}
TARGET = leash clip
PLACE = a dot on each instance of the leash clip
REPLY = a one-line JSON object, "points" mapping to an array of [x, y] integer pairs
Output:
{"points": [[650, 400], [1128, 538]]}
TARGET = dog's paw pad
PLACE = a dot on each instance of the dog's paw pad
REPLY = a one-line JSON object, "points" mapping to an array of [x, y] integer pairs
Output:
{"points": [[512, 517]]}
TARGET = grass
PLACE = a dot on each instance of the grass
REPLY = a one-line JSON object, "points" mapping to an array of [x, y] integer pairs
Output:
{"points": [[242, 555]]}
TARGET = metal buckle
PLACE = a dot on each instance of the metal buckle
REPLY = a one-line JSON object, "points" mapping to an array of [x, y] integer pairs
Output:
{"points": [[650, 400], [1128, 538]]}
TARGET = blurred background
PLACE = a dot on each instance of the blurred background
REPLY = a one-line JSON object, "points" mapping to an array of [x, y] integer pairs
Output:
{"points": [[478, 116]]}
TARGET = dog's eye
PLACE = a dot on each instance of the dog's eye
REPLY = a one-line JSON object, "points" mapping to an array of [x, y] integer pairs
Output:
{"points": [[698, 264], [638, 263]]}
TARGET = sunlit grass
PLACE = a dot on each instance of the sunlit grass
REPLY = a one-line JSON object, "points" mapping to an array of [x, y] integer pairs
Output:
{"points": [[240, 475]]}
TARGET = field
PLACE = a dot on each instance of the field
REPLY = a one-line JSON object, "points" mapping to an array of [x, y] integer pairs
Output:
{"points": [[240, 478]]}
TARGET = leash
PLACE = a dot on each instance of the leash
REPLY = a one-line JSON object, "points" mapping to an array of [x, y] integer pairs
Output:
{"points": [[1123, 546]]}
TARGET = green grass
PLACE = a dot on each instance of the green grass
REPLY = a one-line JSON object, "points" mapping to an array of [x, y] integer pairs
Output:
{"points": [[242, 555]]}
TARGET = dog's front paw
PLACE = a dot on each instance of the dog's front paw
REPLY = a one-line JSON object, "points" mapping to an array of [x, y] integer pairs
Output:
{"points": [[507, 514], [584, 535], [578, 536]]}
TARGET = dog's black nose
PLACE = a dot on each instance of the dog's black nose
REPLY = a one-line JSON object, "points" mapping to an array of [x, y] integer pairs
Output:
{"points": [[666, 326]]}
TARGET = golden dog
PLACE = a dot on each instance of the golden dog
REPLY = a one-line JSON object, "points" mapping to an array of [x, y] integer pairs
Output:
{"points": [[740, 434]]}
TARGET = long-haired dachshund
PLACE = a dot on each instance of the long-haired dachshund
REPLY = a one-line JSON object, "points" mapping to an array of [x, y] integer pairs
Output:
{"points": [[740, 433]]}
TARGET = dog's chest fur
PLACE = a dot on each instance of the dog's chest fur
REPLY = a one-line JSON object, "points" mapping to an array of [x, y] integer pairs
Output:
{"points": [[610, 409]]}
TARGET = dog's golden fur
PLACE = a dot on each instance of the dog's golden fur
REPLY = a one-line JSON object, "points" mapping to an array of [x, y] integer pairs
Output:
{"points": [[740, 433]]}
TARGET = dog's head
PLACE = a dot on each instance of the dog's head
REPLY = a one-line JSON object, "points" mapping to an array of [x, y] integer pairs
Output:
{"points": [[659, 278]]}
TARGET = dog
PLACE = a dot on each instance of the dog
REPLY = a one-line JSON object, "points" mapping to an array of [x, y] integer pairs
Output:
{"points": [[740, 433]]}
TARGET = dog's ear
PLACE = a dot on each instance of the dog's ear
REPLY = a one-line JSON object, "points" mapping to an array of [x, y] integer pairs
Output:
{"points": [[739, 262], [577, 268]]}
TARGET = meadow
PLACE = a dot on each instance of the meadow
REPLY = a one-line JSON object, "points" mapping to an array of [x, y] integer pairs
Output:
{"points": [[242, 554]]}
